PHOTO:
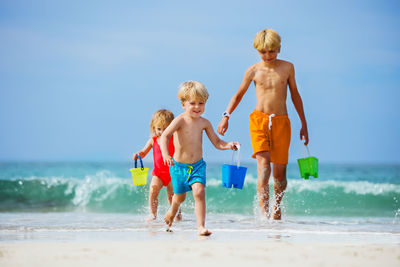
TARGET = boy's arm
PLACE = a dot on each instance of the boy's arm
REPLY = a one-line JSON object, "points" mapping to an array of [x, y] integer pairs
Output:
{"points": [[236, 98], [298, 104], [164, 140], [142, 153], [216, 141]]}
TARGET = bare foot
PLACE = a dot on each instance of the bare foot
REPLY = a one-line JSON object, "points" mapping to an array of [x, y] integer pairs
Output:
{"points": [[169, 218], [151, 218], [277, 213], [179, 216], [204, 232]]}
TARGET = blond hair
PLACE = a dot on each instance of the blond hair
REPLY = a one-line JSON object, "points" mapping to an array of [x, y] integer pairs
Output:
{"points": [[161, 118], [267, 39], [192, 90]]}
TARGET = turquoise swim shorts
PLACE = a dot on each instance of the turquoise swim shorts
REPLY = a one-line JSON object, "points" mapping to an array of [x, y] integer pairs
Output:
{"points": [[184, 175]]}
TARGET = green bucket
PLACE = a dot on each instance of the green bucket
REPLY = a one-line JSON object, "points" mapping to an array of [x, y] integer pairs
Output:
{"points": [[308, 166]]}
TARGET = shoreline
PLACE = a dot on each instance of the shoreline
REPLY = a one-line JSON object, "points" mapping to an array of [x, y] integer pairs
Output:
{"points": [[157, 234], [93, 227]]}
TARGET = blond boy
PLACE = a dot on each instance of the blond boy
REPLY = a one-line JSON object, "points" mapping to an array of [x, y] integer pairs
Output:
{"points": [[187, 168], [269, 122]]}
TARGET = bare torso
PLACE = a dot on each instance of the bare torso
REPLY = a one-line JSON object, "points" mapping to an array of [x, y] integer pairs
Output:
{"points": [[271, 82], [188, 139]]}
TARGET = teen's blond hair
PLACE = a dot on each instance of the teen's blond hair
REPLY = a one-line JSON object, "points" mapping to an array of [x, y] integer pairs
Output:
{"points": [[161, 119], [267, 39], [192, 90]]}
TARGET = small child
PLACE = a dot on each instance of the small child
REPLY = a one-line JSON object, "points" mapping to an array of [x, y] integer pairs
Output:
{"points": [[161, 177], [188, 169]]}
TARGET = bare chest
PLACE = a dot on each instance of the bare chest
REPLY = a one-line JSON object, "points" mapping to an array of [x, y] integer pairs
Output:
{"points": [[270, 79], [190, 132]]}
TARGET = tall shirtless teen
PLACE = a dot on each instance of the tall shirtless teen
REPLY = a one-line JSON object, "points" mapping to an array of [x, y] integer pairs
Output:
{"points": [[269, 123]]}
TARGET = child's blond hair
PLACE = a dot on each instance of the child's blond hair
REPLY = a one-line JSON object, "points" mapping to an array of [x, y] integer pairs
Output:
{"points": [[192, 90], [267, 39], [161, 118]]}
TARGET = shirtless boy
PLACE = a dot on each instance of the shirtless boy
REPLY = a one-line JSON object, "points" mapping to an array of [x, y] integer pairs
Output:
{"points": [[187, 168], [269, 123]]}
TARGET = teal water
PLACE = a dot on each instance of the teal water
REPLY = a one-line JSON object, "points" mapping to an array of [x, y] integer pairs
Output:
{"points": [[340, 190], [85, 198]]}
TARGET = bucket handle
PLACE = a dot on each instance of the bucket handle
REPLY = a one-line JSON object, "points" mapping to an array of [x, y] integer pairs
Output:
{"points": [[306, 151], [141, 163], [238, 157]]}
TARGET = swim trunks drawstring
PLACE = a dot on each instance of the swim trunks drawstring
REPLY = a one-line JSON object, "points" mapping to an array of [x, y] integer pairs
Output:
{"points": [[270, 125], [189, 171], [270, 121]]}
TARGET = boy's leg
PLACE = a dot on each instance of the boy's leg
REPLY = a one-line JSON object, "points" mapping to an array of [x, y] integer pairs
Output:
{"points": [[155, 187], [280, 183], [170, 194], [200, 207], [176, 202], [263, 174]]}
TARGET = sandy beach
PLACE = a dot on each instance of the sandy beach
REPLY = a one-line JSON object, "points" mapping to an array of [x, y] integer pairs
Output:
{"points": [[196, 253]]}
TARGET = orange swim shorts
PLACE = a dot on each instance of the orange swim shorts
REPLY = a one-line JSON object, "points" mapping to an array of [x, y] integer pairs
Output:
{"points": [[270, 133]]}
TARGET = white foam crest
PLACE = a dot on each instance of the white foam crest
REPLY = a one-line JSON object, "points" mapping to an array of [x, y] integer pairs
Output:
{"points": [[46, 181], [90, 185], [217, 181], [318, 185], [214, 182], [250, 179], [84, 189], [357, 187]]}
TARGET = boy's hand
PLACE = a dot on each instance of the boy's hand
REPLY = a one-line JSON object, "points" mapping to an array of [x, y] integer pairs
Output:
{"points": [[135, 156], [223, 126], [168, 160], [304, 135]]}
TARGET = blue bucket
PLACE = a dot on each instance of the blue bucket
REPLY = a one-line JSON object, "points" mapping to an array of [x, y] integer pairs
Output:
{"points": [[233, 175]]}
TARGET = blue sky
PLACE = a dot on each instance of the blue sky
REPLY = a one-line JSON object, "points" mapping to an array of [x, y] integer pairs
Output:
{"points": [[79, 80]]}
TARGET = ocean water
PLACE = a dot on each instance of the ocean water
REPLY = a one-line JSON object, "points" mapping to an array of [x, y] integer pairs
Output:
{"points": [[59, 200]]}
